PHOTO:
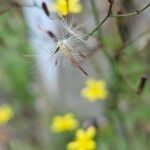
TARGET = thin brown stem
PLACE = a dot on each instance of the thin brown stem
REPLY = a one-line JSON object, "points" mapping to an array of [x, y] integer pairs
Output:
{"points": [[137, 12], [110, 14], [141, 84]]}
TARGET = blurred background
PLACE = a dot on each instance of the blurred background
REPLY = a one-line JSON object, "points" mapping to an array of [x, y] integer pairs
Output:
{"points": [[36, 90]]}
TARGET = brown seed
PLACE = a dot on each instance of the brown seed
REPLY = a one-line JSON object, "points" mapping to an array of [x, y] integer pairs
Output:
{"points": [[44, 6]]}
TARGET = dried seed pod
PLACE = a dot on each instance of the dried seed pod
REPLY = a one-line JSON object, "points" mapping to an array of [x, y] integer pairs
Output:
{"points": [[141, 84]]}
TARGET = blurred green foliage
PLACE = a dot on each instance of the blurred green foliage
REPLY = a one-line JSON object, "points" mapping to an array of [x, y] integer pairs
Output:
{"points": [[14, 71]]}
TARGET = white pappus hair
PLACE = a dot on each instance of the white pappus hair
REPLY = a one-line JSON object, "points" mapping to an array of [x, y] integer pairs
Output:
{"points": [[70, 43]]}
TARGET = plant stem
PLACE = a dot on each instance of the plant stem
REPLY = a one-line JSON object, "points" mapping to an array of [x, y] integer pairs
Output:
{"points": [[103, 21], [137, 12], [110, 14], [98, 26]]}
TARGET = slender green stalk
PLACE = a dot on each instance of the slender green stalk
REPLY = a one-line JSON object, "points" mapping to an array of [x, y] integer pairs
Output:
{"points": [[98, 26], [110, 14], [137, 12]]}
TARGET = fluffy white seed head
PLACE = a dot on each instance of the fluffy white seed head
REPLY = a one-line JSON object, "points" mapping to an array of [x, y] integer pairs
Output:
{"points": [[71, 45]]}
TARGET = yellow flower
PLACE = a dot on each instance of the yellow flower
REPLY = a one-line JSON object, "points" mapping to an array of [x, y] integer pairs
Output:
{"points": [[62, 8], [6, 113], [95, 90], [84, 140], [64, 123]]}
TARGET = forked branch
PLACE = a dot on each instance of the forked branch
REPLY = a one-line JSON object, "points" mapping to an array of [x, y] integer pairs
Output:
{"points": [[110, 14]]}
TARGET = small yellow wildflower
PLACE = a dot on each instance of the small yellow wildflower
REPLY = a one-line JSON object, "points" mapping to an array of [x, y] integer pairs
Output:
{"points": [[84, 140], [64, 123], [6, 113], [62, 8], [95, 90]]}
